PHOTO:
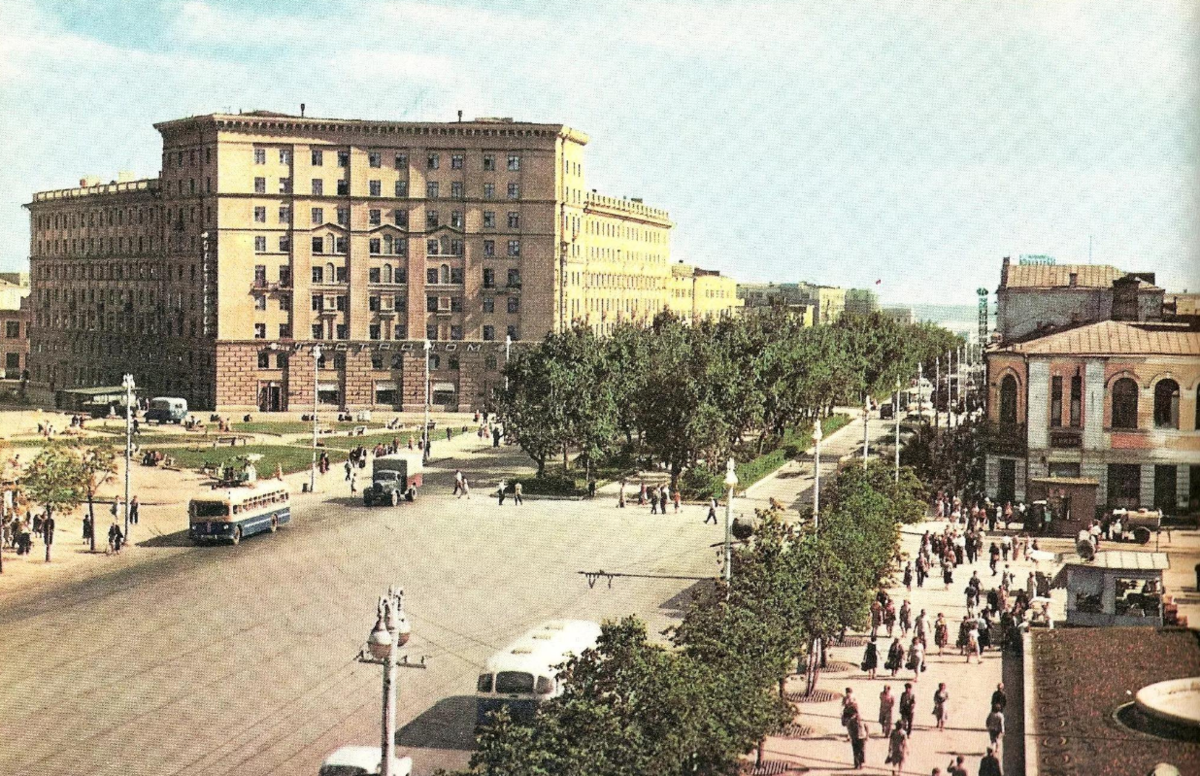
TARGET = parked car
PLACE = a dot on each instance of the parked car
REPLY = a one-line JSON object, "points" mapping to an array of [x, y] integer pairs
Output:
{"points": [[167, 409]]}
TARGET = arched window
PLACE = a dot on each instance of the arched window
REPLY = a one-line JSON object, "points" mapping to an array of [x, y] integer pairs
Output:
{"points": [[1166, 404], [387, 273], [1124, 403], [329, 273], [1008, 399], [445, 270]]}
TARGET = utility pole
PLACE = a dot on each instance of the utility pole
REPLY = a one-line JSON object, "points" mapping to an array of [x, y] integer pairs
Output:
{"points": [[896, 414], [866, 429], [312, 473], [920, 392], [937, 381], [731, 481], [425, 442], [817, 435], [128, 384]]}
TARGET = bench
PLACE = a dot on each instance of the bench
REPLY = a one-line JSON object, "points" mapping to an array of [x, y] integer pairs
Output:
{"points": [[232, 441]]}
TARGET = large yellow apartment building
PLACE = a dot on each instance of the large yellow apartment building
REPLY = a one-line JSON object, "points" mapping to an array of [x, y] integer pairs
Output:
{"points": [[266, 235]]}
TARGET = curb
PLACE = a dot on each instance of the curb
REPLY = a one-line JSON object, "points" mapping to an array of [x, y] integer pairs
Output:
{"points": [[1028, 694], [807, 451]]}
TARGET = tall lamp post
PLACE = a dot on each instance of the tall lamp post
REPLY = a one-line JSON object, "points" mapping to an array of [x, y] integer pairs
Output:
{"points": [[866, 429], [128, 384], [507, 350], [817, 434], [425, 432], [920, 392], [937, 381], [391, 632], [896, 414], [731, 481], [312, 473]]}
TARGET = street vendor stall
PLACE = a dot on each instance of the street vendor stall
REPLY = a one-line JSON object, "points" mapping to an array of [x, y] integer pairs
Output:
{"points": [[1069, 503], [1115, 588]]}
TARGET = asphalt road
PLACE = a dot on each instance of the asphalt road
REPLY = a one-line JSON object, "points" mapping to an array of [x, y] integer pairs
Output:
{"points": [[240, 660]]}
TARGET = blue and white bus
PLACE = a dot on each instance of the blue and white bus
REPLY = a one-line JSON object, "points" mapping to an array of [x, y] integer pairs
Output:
{"points": [[525, 673], [235, 513]]}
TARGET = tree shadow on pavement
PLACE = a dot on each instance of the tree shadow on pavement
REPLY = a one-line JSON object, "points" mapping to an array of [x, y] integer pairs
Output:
{"points": [[175, 539], [448, 724], [676, 605]]}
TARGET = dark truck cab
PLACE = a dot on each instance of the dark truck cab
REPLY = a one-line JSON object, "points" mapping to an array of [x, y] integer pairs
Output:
{"points": [[393, 477]]}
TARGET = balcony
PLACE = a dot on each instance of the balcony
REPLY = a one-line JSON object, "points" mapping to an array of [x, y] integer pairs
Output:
{"points": [[1066, 438], [1005, 438], [268, 286]]}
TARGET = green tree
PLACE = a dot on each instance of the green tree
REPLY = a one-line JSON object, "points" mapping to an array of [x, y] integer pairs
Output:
{"points": [[99, 464], [56, 479]]}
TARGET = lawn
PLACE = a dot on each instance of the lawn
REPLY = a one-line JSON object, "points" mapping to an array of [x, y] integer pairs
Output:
{"points": [[795, 442], [292, 459], [292, 426], [554, 482], [370, 440]]}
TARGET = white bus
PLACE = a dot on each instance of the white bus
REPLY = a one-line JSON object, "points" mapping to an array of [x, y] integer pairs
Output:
{"points": [[525, 673], [236, 513]]}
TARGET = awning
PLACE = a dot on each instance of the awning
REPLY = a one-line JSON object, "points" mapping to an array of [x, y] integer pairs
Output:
{"points": [[445, 387]]}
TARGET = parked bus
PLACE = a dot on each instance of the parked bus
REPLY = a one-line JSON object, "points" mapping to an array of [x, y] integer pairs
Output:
{"points": [[167, 409], [236, 513], [525, 673]]}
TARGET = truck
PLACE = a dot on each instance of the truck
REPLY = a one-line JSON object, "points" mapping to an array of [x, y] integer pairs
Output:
{"points": [[167, 409], [393, 477]]}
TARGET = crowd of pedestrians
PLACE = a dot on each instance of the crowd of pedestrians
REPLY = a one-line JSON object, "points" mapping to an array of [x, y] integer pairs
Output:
{"points": [[997, 611]]}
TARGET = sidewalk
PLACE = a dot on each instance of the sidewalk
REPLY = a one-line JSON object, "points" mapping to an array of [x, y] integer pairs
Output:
{"points": [[818, 743]]}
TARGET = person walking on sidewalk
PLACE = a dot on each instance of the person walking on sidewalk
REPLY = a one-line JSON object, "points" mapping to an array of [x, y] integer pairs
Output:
{"points": [[1000, 697], [887, 704], [654, 502], [905, 618], [517, 500], [941, 706], [458, 481], [858, 739], [712, 511], [501, 489], [908, 707], [621, 496], [676, 499], [995, 726], [989, 764], [870, 659], [134, 510], [897, 748]]}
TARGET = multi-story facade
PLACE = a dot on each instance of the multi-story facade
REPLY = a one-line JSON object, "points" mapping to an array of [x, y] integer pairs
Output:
{"points": [[1113, 402], [267, 235], [1040, 297], [14, 324], [828, 303], [702, 294], [861, 301]]}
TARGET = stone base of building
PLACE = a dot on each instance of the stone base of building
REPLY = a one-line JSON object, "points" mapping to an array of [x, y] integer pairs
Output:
{"points": [[274, 377]]}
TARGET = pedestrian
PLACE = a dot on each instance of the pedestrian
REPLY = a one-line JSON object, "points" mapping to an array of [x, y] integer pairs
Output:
{"points": [[1005, 547], [989, 764], [114, 537], [858, 740], [466, 488], [349, 468], [916, 658], [712, 511], [973, 648], [115, 509], [621, 496], [887, 703], [897, 748], [500, 490], [941, 632], [922, 570], [870, 659], [353, 483], [654, 501], [876, 616], [908, 576], [993, 557], [517, 500], [889, 617], [941, 707], [895, 658], [458, 480], [957, 767], [1000, 697], [995, 725], [134, 510], [908, 707], [905, 618], [676, 498], [87, 529]]}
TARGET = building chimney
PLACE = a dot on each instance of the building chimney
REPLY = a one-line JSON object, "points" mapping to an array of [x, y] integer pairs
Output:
{"points": [[460, 117], [1073, 279], [301, 110], [1004, 272]]}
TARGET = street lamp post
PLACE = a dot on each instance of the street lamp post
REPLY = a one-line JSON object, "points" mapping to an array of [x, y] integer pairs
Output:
{"points": [[731, 481], [391, 632], [866, 429], [920, 392], [937, 381], [425, 432], [817, 434], [128, 384], [896, 413], [507, 349], [312, 473]]}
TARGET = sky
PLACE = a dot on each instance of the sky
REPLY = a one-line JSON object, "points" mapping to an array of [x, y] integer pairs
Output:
{"points": [[913, 143]]}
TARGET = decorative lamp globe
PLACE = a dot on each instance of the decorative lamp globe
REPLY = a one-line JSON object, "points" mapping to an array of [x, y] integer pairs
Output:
{"points": [[400, 628], [379, 643], [731, 478]]}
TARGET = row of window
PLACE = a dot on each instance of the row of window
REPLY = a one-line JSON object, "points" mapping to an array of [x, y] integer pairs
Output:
{"points": [[386, 246], [375, 332], [433, 189], [399, 217], [1125, 397], [433, 160]]}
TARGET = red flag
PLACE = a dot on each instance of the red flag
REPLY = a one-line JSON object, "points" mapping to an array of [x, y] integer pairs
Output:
{"points": [[877, 282]]}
